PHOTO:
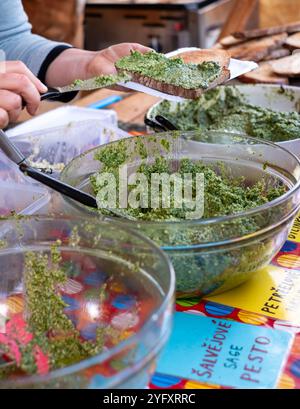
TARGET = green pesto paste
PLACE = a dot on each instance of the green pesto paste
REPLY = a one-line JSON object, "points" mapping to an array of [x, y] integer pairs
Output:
{"points": [[51, 330], [170, 71], [103, 81], [109, 80], [223, 195], [199, 272], [225, 109]]}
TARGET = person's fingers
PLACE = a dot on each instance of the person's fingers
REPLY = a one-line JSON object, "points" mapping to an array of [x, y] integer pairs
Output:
{"points": [[139, 47], [14, 114], [118, 51], [19, 67], [9, 100], [125, 48], [4, 118], [21, 84], [104, 62], [11, 103]]}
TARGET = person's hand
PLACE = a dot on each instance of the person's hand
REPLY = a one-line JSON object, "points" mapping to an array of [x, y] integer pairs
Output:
{"points": [[73, 64], [17, 84], [104, 61]]}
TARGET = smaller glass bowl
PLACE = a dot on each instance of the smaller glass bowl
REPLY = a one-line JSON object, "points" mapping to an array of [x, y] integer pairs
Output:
{"points": [[115, 277]]}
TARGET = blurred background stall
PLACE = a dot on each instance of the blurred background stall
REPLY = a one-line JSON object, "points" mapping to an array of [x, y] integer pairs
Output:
{"points": [[163, 25], [57, 20], [248, 14]]}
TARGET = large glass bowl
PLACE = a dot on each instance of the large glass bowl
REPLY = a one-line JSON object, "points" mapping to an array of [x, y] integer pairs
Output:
{"points": [[217, 254], [133, 275]]}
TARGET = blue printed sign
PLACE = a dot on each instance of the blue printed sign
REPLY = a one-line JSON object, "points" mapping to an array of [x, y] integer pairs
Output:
{"points": [[225, 352]]}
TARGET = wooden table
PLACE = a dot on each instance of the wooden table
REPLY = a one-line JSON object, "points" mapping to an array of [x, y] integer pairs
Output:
{"points": [[131, 108]]}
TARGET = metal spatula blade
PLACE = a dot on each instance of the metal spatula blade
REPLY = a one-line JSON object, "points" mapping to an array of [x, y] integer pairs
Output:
{"points": [[104, 81]]}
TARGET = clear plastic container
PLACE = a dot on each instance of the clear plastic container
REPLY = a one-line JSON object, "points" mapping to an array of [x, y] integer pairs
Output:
{"points": [[53, 148], [48, 149], [65, 116], [18, 193], [9, 171]]}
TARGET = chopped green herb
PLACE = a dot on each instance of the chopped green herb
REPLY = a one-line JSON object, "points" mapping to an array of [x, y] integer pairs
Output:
{"points": [[47, 326], [223, 195], [199, 272], [224, 109], [170, 71], [102, 81]]}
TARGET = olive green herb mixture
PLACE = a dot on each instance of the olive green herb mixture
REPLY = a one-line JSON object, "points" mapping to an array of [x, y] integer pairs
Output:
{"points": [[170, 71], [198, 272], [223, 195], [50, 331], [225, 108], [103, 81]]}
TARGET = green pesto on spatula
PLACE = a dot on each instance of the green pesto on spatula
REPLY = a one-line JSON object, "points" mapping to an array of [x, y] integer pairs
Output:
{"points": [[102, 81], [170, 71]]}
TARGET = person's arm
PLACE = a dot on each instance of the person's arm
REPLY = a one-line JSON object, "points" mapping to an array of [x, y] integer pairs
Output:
{"points": [[55, 64], [75, 64]]}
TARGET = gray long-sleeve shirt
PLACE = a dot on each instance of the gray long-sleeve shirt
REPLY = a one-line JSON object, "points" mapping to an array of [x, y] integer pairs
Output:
{"points": [[17, 40]]}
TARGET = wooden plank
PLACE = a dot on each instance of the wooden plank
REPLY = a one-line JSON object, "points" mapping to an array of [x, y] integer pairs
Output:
{"points": [[244, 15], [95, 96], [45, 106], [83, 99], [139, 120], [278, 12], [133, 108]]}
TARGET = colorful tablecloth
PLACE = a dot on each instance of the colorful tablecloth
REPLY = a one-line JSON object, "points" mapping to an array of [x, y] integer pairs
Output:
{"points": [[265, 309]]}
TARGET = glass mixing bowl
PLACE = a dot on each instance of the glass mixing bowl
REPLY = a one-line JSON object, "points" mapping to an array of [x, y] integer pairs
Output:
{"points": [[216, 254], [115, 278]]}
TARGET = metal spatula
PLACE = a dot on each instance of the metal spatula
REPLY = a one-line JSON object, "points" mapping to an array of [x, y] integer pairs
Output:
{"points": [[87, 85]]}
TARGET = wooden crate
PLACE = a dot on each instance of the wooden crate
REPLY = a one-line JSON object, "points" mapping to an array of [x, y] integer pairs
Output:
{"points": [[59, 20]]}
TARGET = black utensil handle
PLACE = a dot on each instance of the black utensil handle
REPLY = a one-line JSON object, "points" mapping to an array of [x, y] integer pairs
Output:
{"points": [[166, 123], [155, 126], [67, 190], [10, 150], [51, 94]]}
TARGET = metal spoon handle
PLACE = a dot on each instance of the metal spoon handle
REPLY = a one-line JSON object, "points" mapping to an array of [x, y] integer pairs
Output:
{"points": [[10, 149]]}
